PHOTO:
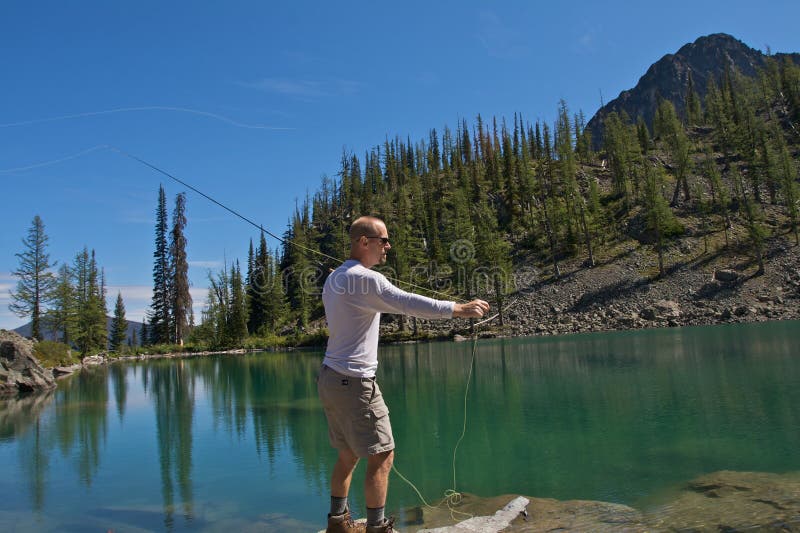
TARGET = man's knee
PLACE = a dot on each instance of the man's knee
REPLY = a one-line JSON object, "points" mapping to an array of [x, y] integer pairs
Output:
{"points": [[348, 458], [381, 462]]}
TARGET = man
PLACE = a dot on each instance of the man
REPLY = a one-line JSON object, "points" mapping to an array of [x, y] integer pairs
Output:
{"points": [[358, 419]]}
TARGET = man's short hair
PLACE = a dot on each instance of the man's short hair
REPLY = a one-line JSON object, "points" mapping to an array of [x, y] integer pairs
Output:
{"points": [[364, 226]]}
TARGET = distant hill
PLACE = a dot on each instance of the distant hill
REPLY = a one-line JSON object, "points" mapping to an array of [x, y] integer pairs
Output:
{"points": [[706, 58], [25, 330]]}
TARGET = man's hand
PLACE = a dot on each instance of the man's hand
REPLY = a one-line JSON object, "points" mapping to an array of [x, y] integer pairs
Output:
{"points": [[473, 309]]}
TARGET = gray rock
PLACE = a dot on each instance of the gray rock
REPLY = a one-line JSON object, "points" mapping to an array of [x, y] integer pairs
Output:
{"points": [[726, 275], [60, 371], [668, 308], [93, 360], [649, 313], [19, 369]]}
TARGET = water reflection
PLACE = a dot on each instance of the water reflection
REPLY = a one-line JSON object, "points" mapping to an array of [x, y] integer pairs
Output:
{"points": [[172, 388], [241, 441]]}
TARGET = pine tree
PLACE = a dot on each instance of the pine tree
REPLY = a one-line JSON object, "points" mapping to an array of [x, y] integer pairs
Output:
{"points": [[252, 291], [624, 154], [144, 333], [62, 315], [789, 188], [35, 282], [669, 130], [159, 315], [660, 219], [237, 320], [119, 326], [180, 297], [753, 219], [90, 330], [694, 113], [720, 196]]}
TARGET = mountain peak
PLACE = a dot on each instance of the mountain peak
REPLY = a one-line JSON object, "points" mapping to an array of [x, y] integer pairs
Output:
{"points": [[705, 59]]}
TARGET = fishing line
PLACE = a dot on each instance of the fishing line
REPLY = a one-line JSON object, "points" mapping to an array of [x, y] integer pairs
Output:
{"points": [[451, 496], [54, 161], [145, 108]]}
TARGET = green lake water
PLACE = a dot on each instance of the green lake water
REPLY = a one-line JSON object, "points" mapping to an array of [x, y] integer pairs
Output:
{"points": [[238, 443]]}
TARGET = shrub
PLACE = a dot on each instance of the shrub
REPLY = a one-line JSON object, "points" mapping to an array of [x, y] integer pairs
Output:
{"points": [[51, 353]]}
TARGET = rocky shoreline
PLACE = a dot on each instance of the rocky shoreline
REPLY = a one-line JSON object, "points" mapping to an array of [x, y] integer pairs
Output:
{"points": [[622, 293], [619, 293]]}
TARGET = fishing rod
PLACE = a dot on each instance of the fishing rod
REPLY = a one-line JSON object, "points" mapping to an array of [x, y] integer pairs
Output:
{"points": [[259, 226]]}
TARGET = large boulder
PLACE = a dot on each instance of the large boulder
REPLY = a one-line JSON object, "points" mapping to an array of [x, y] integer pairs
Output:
{"points": [[19, 369]]}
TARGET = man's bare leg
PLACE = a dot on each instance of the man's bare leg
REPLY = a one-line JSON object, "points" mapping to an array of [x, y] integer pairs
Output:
{"points": [[343, 473], [376, 484]]}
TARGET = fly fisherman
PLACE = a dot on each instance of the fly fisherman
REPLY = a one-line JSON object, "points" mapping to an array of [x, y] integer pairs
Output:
{"points": [[358, 419]]}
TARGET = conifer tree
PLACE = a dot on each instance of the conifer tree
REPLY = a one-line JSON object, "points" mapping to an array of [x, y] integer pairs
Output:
{"points": [[753, 219], [159, 315], [789, 188], [35, 282], [252, 286], [62, 315], [720, 197], [694, 113], [144, 333], [119, 326], [643, 134], [623, 154], [237, 319], [669, 130], [660, 219], [90, 330], [180, 297]]}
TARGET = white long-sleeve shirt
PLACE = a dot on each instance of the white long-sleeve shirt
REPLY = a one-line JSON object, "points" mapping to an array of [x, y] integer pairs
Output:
{"points": [[354, 298]]}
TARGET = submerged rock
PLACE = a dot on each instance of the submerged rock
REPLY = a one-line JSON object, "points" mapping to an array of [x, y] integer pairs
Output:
{"points": [[722, 501], [734, 501], [20, 371]]}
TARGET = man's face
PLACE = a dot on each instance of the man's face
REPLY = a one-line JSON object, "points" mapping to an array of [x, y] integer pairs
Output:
{"points": [[378, 244]]}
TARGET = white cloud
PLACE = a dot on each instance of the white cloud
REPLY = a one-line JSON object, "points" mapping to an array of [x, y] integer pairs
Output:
{"points": [[137, 299], [205, 264], [498, 38], [305, 89]]}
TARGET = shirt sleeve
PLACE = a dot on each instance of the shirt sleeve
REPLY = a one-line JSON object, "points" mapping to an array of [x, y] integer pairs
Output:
{"points": [[387, 298]]}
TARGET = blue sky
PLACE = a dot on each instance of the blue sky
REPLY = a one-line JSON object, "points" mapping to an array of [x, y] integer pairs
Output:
{"points": [[253, 102]]}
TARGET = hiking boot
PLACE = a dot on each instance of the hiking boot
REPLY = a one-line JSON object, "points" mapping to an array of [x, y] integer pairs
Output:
{"points": [[343, 523], [386, 527]]}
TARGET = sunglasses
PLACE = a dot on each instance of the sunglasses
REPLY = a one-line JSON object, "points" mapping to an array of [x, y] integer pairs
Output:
{"points": [[384, 240]]}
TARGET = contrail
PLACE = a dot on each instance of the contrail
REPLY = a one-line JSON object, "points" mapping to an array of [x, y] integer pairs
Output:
{"points": [[145, 108], [55, 161]]}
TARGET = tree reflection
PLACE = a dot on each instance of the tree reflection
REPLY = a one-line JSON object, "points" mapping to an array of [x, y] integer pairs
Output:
{"points": [[119, 374], [81, 407], [20, 418], [172, 388]]}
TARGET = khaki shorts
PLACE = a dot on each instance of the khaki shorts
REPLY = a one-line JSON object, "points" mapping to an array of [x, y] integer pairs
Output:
{"points": [[358, 419]]}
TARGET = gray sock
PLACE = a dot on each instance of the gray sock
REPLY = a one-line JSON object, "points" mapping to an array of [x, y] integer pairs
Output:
{"points": [[338, 505], [375, 516]]}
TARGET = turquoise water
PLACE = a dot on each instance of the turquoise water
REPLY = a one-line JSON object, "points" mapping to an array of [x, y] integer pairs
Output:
{"points": [[234, 443]]}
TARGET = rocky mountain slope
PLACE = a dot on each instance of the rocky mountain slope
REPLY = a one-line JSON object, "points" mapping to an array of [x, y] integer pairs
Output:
{"points": [[705, 59]]}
